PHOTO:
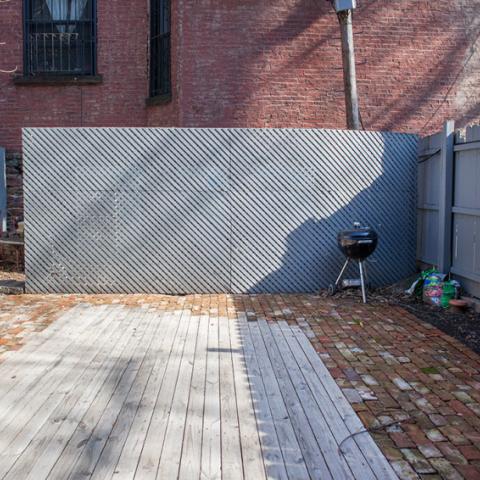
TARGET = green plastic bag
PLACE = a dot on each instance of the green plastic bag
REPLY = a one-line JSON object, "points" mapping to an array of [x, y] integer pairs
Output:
{"points": [[448, 293], [427, 273], [417, 286]]}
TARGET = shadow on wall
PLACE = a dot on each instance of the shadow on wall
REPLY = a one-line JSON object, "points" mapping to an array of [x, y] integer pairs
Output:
{"points": [[422, 69], [379, 191]]}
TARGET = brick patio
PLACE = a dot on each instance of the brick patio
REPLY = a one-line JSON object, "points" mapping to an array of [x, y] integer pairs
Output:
{"points": [[415, 387]]}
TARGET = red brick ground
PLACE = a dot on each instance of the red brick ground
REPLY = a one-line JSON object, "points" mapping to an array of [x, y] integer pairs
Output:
{"points": [[415, 387]]}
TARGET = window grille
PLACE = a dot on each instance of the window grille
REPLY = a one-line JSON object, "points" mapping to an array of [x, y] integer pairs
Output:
{"points": [[60, 37]]}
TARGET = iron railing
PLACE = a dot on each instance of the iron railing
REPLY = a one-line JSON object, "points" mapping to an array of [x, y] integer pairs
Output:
{"points": [[62, 47]]}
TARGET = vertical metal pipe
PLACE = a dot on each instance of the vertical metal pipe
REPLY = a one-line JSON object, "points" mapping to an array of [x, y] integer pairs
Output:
{"points": [[349, 70]]}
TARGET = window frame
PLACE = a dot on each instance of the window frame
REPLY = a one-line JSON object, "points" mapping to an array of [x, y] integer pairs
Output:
{"points": [[27, 67], [157, 91]]}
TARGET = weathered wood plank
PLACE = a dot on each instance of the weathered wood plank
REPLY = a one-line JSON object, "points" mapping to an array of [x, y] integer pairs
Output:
{"points": [[152, 448], [253, 465], [37, 455], [55, 445], [151, 394], [332, 423], [172, 451], [211, 438], [335, 462], [230, 430], [272, 455], [192, 438], [32, 409], [36, 345], [368, 447], [110, 454], [314, 459], [129, 458], [24, 371], [84, 429], [292, 458], [91, 451]]}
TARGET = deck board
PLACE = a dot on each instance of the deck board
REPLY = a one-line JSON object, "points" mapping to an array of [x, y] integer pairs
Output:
{"points": [[282, 455], [89, 381], [152, 448], [130, 454], [65, 464], [192, 436], [44, 451], [119, 392]]}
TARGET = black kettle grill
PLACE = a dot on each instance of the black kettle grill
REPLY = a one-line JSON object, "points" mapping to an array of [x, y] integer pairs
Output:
{"points": [[357, 244]]}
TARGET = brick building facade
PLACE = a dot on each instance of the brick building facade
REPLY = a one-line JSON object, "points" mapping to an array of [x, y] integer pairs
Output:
{"points": [[250, 63]]}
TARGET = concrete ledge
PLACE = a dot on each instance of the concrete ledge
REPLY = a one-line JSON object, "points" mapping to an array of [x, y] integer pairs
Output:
{"points": [[158, 100], [58, 80]]}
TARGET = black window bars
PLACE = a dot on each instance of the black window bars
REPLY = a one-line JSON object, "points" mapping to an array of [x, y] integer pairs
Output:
{"points": [[59, 37], [160, 69]]}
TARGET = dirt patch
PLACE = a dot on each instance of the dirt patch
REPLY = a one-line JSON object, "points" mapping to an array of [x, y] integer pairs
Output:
{"points": [[462, 326]]}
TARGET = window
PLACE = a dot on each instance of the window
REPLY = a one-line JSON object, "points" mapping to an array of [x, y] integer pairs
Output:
{"points": [[60, 37], [160, 48]]}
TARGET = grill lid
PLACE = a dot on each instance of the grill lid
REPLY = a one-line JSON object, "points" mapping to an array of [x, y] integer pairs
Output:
{"points": [[358, 243]]}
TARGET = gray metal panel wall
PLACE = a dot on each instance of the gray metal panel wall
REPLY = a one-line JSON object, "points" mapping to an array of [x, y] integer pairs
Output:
{"points": [[212, 210], [466, 210], [465, 207], [428, 197]]}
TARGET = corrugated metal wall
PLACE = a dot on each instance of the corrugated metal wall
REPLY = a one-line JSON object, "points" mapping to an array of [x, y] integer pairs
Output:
{"points": [[212, 210]]}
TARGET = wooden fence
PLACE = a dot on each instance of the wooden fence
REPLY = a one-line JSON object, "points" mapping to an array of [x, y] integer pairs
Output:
{"points": [[449, 203]]}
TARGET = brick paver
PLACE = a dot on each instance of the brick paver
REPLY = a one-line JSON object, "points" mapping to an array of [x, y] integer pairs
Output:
{"points": [[417, 389]]}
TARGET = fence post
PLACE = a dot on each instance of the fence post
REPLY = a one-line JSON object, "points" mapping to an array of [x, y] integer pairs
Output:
{"points": [[446, 198]]}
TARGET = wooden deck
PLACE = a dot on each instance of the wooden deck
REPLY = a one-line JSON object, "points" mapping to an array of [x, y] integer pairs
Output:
{"points": [[118, 392]]}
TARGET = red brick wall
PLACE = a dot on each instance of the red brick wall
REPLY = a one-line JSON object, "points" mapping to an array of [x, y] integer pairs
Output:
{"points": [[122, 61], [262, 63], [276, 63]]}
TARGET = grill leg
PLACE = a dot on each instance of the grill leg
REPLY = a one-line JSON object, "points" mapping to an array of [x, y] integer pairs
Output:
{"points": [[342, 271], [365, 274], [362, 281]]}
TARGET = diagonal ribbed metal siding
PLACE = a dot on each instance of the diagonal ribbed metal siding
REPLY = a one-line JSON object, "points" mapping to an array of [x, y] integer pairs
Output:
{"points": [[211, 210]]}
